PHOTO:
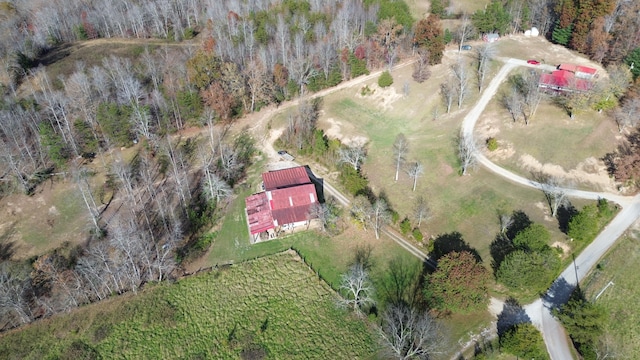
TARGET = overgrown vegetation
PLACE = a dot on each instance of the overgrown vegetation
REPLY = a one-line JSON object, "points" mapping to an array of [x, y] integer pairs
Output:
{"points": [[285, 312]]}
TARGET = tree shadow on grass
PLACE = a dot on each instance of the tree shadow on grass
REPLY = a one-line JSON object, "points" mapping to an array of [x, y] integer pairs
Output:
{"points": [[499, 249], [447, 243], [502, 245], [7, 246], [565, 214], [520, 221], [512, 314]]}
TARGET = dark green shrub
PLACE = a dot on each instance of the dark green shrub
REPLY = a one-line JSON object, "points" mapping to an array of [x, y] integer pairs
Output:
{"points": [[524, 340], [115, 124], [358, 67], [385, 79], [354, 182]]}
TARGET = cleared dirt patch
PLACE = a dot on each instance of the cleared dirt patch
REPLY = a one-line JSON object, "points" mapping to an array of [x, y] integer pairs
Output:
{"points": [[44, 221]]}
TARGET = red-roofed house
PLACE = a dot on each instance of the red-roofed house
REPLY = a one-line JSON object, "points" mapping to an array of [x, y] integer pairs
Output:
{"points": [[582, 72], [563, 80], [285, 203]]}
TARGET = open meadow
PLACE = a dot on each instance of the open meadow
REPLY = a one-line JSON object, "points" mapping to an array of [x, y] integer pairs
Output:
{"points": [[273, 307], [468, 204], [552, 143], [620, 266]]}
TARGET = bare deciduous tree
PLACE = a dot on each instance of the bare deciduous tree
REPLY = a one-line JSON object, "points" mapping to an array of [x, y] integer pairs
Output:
{"points": [[353, 155], [380, 216], [14, 306], [514, 103], [466, 152], [506, 220], [80, 177], [461, 80], [626, 116], [464, 30], [531, 95], [356, 287], [421, 71], [448, 94], [400, 149], [553, 191], [484, 54], [421, 210], [326, 213], [361, 210], [415, 170], [409, 333]]}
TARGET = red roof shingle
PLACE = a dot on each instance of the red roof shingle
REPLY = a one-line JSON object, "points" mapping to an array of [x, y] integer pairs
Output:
{"points": [[292, 204], [285, 178], [259, 213], [288, 197]]}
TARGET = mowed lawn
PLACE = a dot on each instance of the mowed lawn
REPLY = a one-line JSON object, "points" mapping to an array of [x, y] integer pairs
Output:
{"points": [[468, 204], [570, 147], [620, 266], [273, 307]]}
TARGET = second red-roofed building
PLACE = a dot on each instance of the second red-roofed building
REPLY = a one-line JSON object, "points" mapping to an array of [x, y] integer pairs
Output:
{"points": [[284, 205]]}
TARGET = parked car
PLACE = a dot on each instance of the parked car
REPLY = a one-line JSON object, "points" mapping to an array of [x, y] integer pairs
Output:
{"points": [[285, 155], [533, 62], [465, 47]]}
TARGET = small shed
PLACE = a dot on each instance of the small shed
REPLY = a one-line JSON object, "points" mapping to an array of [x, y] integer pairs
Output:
{"points": [[491, 37]]}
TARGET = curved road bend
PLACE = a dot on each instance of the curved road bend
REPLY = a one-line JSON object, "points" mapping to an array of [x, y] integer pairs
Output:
{"points": [[540, 310]]}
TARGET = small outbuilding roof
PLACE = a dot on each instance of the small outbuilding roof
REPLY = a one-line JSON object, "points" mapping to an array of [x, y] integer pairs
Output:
{"points": [[285, 178]]}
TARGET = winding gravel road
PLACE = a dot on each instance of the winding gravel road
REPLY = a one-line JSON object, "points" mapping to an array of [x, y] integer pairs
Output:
{"points": [[540, 310]]}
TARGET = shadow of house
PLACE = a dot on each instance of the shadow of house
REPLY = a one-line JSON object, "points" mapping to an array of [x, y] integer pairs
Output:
{"points": [[318, 183]]}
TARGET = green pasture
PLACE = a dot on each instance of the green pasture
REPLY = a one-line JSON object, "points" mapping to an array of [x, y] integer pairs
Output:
{"points": [[274, 307], [621, 266]]}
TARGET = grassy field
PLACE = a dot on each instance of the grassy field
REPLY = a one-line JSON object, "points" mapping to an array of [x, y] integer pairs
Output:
{"points": [[274, 306], [546, 140], [35, 224], [330, 257], [620, 266], [468, 204]]}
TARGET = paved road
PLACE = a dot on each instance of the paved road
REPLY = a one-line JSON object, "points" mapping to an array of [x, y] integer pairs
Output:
{"points": [[540, 310]]}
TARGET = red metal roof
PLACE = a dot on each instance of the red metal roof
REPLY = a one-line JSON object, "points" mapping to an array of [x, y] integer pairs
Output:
{"points": [[292, 204], [288, 197], [564, 80], [577, 68], [259, 213], [285, 178]]}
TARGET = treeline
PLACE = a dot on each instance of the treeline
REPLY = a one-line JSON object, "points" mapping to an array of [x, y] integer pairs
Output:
{"points": [[151, 212]]}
